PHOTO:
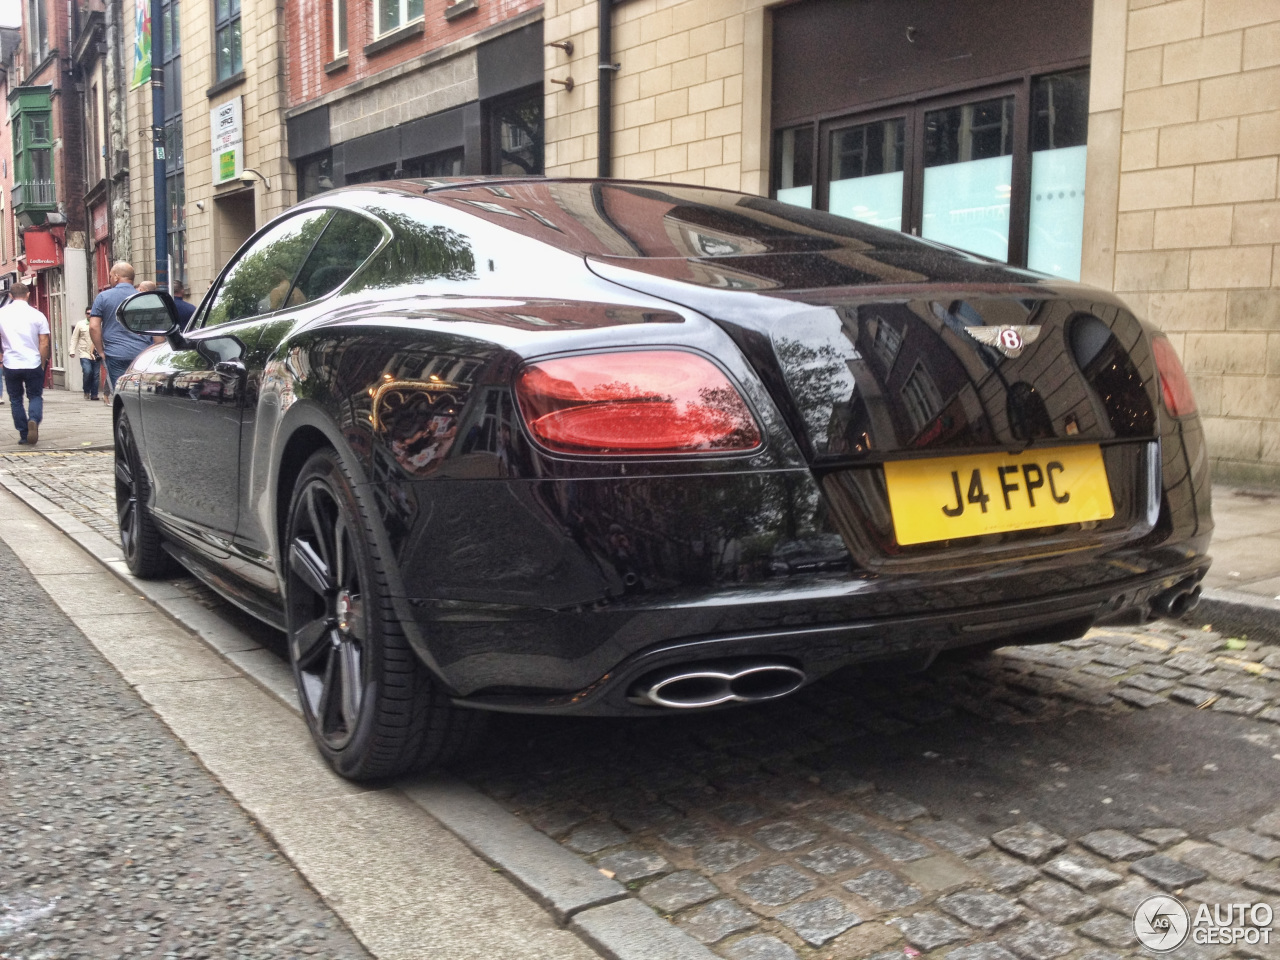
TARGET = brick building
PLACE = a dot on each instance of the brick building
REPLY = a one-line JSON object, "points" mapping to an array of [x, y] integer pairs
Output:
{"points": [[10, 44], [412, 88], [46, 200], [96, 54], [1128, 143]]}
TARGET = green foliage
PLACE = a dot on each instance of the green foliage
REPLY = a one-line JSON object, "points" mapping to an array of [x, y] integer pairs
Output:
{"points": [[417, 253], [259, 282]]}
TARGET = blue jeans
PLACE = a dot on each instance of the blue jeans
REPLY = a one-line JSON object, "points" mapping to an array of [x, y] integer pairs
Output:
{"points": [[116, 366], [89, 376], [32, 381]]}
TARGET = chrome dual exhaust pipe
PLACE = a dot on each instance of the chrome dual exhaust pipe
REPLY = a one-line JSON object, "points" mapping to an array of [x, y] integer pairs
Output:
{"points": [[713, 684], [1178, 600]]}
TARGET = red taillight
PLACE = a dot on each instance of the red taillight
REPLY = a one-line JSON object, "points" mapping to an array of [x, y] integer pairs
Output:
{"points": [[635, 402], [1178, 397]]}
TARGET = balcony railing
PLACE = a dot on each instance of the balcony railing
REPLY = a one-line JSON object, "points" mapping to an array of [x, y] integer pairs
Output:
{"points": [[35, 193]]}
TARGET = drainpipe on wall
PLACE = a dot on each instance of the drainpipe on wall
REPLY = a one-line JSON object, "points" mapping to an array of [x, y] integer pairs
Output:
{"points": [[604, 106]]}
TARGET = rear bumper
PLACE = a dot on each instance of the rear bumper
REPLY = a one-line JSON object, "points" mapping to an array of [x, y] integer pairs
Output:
{"points": [[554, 595], [608, 672]]}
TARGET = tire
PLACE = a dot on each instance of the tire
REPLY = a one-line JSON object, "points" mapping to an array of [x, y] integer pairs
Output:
{"points": [[140, 540], [373, 709]]}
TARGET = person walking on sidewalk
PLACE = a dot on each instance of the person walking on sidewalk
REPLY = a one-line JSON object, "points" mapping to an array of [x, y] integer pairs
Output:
{"points": [[24, 351], [185, 309], [90, 363], [115, 342]]}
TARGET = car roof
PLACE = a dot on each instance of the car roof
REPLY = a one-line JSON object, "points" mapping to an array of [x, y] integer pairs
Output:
{"points": [[703, 235]]}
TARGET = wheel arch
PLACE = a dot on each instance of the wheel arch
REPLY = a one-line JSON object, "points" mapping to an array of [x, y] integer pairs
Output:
{"points": [[307, 428]]}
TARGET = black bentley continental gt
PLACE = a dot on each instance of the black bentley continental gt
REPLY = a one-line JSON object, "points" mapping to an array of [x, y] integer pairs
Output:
{"points": [[604, 447]]}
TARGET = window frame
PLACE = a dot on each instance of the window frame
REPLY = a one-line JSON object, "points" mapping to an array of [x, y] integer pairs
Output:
{"points": [[338, 14], [228, 23], [913, 109], [29, 145], [37, 29], [402, 16], [494, 109]]}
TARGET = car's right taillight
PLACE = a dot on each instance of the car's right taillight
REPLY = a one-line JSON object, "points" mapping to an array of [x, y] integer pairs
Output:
{"points": [[634, 402], [1178, 398]]}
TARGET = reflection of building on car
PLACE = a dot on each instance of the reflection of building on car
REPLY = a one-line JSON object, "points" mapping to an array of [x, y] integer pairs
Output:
{"points": [[586, 447]]}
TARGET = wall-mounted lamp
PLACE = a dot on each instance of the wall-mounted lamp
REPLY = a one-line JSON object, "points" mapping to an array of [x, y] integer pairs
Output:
{"points": [[244, 175], [565, 45], [567, 83]]}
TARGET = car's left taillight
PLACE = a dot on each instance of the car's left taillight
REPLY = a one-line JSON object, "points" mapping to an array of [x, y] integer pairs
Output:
{"points": [[635, 402], [1175, 387]]}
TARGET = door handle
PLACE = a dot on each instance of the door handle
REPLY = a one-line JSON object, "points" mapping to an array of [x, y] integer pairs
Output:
{"points": [[230, 368]]}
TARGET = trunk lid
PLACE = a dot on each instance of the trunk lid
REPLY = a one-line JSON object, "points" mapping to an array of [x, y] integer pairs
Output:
{"points": [[992, 382], [878, 372]]}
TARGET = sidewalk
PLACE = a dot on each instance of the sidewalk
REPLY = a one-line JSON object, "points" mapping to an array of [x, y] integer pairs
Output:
{"points": [[70, 423], [1246, 541]]}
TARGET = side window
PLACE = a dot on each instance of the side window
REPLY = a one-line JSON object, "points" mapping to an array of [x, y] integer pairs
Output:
{"points": [[261, 279], [341, 249]]}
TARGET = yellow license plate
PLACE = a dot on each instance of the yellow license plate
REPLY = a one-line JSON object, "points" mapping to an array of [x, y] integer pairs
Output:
{"points": [[949, 497]]}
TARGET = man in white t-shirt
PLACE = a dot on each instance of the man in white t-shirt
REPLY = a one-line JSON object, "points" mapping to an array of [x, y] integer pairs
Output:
{"points": [[24, 351]]}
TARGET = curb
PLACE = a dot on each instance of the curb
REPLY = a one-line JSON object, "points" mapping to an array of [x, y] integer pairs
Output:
{"points": [[1234, 611], [599, 910]]}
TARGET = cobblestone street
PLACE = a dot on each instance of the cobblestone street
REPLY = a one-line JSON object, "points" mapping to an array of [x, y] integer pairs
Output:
{"points": [[1022, 806], [1017, 806]]}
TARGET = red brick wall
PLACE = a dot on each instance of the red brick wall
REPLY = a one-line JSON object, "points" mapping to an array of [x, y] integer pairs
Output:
{"points": [[310, 39]]}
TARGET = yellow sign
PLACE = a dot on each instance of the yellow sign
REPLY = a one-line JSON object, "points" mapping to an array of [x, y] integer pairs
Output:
{"points": [[967, 496]]}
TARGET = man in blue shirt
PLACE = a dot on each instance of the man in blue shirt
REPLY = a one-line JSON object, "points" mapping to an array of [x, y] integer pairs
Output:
{"points": [[114, 341], [185, 310]]}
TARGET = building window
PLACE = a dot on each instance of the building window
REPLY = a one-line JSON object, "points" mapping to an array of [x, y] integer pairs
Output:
{"points": [[394, 14], [172, 41], [33, 159], [97, 169], [227, 39], [998, 173], [447, 163], [339, 28], [921, 398], [515, 136], [176, 187], [793, 161], [315, 175], [176, 191], [37, 31], [372, 175]]}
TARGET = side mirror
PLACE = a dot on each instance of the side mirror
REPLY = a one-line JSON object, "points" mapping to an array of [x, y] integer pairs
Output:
{"points": [[151, 314]]}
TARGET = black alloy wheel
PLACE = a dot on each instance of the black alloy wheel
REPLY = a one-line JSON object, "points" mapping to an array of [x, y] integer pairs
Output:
{"points": [[139, 538], [373, 710], [328, 626]]}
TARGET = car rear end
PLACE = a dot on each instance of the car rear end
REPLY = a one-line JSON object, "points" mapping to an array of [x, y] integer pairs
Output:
{"points": [[965, 455]]}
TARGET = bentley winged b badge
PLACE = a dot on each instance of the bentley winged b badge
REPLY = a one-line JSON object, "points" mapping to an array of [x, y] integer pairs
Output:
{"points": [[1008, 339]]}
